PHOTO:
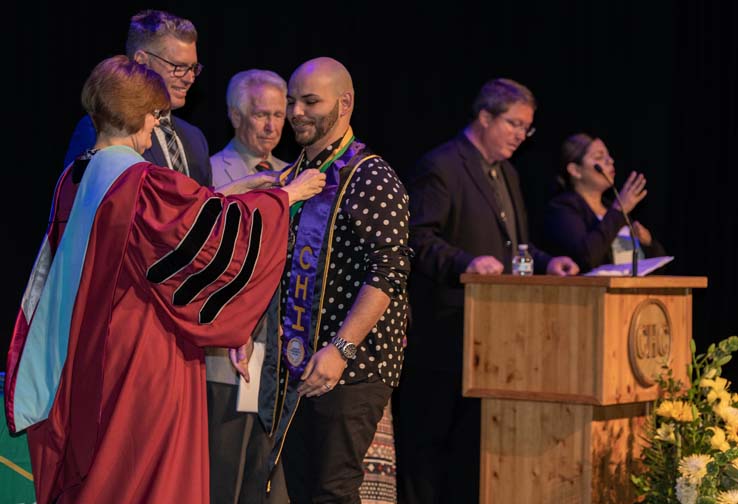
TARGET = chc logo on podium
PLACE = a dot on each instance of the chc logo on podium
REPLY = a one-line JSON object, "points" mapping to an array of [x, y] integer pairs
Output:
{"points": [[649, 341]]}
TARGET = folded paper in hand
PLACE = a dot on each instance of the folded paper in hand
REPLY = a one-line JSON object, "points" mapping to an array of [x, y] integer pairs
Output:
{"points": [[248, 391], [645, 266]]}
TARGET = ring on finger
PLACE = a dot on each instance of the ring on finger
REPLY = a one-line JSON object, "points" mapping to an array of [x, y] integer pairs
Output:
{"points": [[326, 386]]}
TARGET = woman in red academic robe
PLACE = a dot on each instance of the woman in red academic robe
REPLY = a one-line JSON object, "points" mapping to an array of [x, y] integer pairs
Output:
{"points": [[106, 367]]}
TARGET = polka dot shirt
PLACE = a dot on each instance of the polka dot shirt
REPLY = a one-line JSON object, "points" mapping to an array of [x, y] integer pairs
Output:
{"points": [[370, 239]]}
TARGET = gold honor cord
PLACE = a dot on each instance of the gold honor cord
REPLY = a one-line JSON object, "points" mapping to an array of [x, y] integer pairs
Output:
{"points": [[345, 142], [329, 250]]}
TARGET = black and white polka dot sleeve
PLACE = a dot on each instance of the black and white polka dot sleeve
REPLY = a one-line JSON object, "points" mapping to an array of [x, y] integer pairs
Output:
{"points": [[377, 204]]}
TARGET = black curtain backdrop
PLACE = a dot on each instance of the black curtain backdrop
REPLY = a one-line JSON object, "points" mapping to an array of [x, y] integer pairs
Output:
{"points": [[657, 81]]}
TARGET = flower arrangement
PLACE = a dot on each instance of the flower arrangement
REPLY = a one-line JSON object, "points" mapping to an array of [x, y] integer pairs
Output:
{"points": [[691, 453]]}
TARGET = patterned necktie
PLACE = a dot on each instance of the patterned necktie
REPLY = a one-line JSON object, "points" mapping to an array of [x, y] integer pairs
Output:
{"points": [[263, 165], [175, 154]]}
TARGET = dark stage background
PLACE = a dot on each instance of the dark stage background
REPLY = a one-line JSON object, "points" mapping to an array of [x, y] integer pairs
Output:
{"points": [[658, 81]]}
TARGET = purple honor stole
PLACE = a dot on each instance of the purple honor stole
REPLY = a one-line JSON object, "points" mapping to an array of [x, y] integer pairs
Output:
{"points": [[278, 397], [307, 273]]}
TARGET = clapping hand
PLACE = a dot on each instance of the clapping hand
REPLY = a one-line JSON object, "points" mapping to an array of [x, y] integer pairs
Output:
{"points": [[633, 191]]}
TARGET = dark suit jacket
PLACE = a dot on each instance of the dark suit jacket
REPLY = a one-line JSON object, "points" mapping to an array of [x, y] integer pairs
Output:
{"points": [[454, 217], [193, 141], [571, 228]]}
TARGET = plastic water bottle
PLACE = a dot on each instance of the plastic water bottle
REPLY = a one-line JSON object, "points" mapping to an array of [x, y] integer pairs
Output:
{"points": [[522, 263]]}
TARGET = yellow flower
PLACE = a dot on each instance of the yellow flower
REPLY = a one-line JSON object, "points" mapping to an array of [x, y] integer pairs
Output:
{"points": [[717, 441], [717, 384], [665, 409], [721, 396], [729, 497], [683, 412], [711, 373], [729, 414], [732, 432], [707, 383], [666, 433], [678, 410], [721, 383], [694, 468]]}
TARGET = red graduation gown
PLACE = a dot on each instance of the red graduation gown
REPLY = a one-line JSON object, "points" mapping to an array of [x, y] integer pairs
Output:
{"points": [[129, 422]]}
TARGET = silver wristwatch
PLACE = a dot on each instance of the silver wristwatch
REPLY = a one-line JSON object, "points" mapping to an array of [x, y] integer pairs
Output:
{"points": [[347, 349]]}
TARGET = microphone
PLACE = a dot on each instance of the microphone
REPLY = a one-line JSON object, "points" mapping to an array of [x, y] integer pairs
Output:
{"points": [[634, 266]]}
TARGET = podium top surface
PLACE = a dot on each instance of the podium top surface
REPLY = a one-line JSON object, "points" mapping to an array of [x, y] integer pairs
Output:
{"points": [[610, 282]]}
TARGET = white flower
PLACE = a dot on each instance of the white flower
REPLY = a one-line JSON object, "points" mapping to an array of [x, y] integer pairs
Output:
{"points": [[729, 497], [694, 467], [686, 493]]}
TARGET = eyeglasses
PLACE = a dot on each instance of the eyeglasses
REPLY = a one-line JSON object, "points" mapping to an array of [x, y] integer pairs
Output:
{"points": [[158, 114], [179, 70], [528, 131]]}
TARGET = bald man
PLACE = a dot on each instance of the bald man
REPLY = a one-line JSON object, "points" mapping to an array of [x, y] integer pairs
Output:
{"points": [[344, 303]]}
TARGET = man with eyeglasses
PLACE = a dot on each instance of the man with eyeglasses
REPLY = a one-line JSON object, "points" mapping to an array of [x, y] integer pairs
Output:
{"points": [[467, 215], [166, 44]]}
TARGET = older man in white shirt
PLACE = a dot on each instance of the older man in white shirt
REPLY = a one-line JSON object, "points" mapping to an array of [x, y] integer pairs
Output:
{"points": [[239, 445], [257, 100]]}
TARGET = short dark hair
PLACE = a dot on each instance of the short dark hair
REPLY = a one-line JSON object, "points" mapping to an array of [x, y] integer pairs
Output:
{"points": [[120, 92], [497, 95], [150, 26]]}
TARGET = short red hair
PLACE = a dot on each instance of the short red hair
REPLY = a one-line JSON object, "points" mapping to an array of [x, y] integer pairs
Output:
{"points": [[120, 92]]}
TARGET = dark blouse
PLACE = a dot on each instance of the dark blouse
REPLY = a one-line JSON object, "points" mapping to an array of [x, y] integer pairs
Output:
{"points": [[571, 228]]}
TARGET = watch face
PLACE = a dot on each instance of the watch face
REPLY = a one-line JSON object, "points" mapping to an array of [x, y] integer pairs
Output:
{"points": [[347, 349], [350, 350]]}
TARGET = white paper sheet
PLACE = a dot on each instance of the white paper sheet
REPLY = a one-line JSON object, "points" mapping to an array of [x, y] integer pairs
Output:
{"points": [[645, 266]]}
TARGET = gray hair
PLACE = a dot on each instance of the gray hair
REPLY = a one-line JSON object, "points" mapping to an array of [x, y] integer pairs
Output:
{"points": [[241, 85], [150, 26], [497, 95]]}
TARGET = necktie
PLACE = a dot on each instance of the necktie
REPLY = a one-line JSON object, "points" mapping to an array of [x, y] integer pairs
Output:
{"points": [[175, 155], [502, 196], [263, 165]]}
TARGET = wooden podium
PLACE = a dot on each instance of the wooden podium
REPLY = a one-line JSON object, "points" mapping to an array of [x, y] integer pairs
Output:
{"points": [[564, 367]]}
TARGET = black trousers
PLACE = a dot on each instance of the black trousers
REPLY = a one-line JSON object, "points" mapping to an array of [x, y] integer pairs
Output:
{"points": [[327, 441], [239, 449], [436, 437]]}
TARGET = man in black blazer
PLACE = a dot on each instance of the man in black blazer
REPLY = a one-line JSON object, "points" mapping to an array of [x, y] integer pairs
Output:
{"points": [[166, 44], [466, 215]]}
